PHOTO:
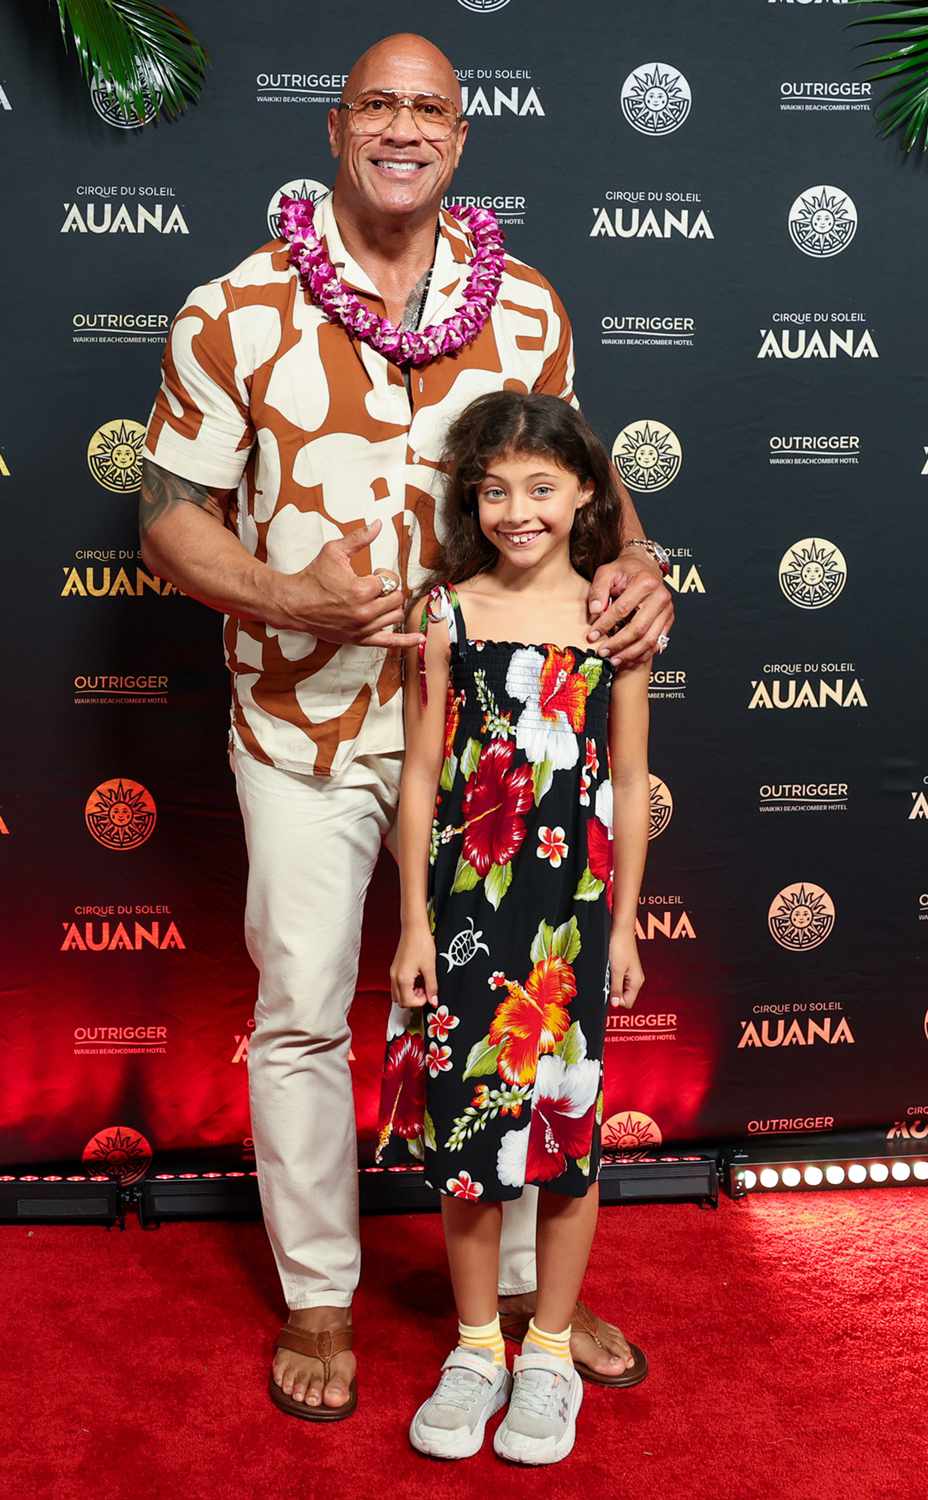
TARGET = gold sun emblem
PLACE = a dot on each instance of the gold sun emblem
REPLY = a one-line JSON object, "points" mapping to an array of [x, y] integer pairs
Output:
{"points": [[801, 916], [120, 814], [114, 455], [656, 99], [121, 1151], [630, 1130], [822, 221], [812, 573], [661, 808], [647, 455]]}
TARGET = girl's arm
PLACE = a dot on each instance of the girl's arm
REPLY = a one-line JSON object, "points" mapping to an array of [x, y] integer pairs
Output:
{"points": [[631, 807], [412, 975]]}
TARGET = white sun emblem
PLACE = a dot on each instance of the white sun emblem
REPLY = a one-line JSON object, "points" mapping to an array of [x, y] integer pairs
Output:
{"points": [[822, 221], [464, 946], [656, 99]]}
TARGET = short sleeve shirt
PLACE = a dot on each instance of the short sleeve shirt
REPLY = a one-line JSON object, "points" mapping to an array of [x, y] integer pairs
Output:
{"points": [[314, 435]]}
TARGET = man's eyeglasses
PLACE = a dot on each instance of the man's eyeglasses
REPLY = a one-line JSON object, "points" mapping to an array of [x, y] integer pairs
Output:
{"points": [[374, 111]]}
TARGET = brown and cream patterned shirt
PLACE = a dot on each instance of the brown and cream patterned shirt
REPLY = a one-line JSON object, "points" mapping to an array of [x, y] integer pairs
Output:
{"points": [[316, 435]]}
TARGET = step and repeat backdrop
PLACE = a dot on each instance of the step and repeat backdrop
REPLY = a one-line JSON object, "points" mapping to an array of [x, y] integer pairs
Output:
{"points": [[743, 261]]}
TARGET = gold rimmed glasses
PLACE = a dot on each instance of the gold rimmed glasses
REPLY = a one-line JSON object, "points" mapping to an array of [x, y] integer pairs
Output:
{"points": [[372, 113]]}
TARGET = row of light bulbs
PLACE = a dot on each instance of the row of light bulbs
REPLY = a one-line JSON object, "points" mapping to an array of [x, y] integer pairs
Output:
{"points": [[834, 1174]]}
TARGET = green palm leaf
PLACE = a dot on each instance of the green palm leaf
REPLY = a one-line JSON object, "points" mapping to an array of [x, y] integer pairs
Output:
{"points": [[904, 107], [138, 48]]}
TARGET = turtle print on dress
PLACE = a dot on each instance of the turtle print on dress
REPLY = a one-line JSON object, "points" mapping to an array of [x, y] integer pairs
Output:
{"points": [[500, 1083]]}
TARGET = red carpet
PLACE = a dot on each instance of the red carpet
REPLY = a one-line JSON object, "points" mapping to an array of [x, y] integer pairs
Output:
{"points": [[786, 1338]]}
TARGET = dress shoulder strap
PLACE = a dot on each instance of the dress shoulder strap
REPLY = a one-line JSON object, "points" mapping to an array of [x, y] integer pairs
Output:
{"points": [[441, 603]]}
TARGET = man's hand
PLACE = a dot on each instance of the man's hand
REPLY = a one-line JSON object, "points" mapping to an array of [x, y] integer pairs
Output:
{"points": [[412, 972], [329, 600], [630, 586]]}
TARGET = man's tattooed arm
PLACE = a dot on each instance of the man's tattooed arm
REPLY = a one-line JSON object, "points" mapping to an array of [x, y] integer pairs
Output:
{"points": [[162, 491]]}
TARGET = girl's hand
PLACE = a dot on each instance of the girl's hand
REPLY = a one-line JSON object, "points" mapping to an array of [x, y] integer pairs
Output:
{"points": [[626, 973], [412, 972]]}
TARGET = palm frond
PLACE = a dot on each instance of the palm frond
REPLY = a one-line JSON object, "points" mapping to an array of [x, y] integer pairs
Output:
{"points": [[904, 107], [139, 48]]}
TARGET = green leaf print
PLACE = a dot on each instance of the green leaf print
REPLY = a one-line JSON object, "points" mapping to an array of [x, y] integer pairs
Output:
{"points": [[583, 1162], [572, 1047], [430, 913], [592, 670], [600, 1103], [588, 887], [465, 876], [469, 758], [497, 883], [481, 1059], [542, 777], [416, 1148], [428, 1131], [541, 942], [449, 770], [566, 941]]}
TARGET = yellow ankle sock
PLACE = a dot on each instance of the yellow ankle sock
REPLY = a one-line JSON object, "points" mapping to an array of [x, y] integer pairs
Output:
{"points": [[483, 1336], [555, 1344]]}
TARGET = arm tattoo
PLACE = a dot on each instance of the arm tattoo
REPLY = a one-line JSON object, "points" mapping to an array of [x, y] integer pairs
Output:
{"points": [[163, 491]]}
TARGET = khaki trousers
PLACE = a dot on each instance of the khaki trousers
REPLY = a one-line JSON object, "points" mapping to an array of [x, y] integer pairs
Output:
{"points": [[313, 842]]}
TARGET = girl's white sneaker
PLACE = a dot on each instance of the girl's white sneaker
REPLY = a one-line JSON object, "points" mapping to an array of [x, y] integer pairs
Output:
{"points": [[452, 1422], [541, 1424]]}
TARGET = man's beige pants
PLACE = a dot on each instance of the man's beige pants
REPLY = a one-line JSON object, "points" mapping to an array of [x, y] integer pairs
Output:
{"points": [[313, 842]]}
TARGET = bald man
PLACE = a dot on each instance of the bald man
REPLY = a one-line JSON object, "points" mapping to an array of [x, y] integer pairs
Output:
{"points": [[292, 480]]}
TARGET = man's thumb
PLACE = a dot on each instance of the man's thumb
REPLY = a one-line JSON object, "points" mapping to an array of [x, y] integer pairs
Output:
{"points": [[355, 541]]}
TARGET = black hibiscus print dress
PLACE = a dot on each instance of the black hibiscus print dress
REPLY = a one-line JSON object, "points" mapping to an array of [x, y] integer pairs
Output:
{"points": [[500, 1083]]}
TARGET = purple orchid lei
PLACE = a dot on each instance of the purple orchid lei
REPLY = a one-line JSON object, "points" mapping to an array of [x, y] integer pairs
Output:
{"points": [[403, 346]]}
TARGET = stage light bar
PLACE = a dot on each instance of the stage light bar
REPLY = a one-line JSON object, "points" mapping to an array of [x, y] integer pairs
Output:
{"points": [[785, 1176], [640, 1177], [60, 1197]]}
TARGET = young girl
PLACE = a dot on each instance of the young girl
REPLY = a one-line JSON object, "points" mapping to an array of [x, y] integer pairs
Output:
{"points": [[514, 916]]}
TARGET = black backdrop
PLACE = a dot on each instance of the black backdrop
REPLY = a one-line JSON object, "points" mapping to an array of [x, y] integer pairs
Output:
{"points": [[743, 262]]}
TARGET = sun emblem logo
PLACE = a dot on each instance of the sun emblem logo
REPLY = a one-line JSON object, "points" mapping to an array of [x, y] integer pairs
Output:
{"points": [[822, 221], [661, 807], [655, 99], [300, 187], [105, 101], [114, 455], [120, 814], [647, 455], [483, 7], [801, 916], [630, 1130], [121, 1151], [812, 573]]}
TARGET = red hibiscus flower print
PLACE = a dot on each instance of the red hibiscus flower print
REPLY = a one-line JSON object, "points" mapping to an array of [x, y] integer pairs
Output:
{"points": [[494, 802], [599, 855], [591, 761], [563, 1106], [532, 1020], [551, 846], [402, 1089], [464, 1186], [497, 980], [440, 1022], [562, 690]]}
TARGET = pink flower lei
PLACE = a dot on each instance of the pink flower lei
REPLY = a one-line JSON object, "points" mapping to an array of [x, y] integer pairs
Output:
{"points": [[404, 346]]}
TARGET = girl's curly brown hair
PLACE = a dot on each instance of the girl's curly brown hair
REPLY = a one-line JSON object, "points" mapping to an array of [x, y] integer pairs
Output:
{"points": [[509, 422]]}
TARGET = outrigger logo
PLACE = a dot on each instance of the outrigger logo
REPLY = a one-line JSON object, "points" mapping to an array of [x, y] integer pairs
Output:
{"points": [[801, 916], [121, 1151], [822, 221], [812, 573], [121, 814], [661, 810], [114, 455], [299, 187], [648, 455], [509, 208], [106, 102], [656, 99], [630, 1130]]}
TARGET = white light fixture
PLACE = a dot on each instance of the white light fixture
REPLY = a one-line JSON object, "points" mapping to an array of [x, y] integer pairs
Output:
{"points": [[834, 1174], [920, 1170], [814, 1176], [901, 1171], [856, 1173], [769, 1178], [879, 1171], [791, 1176], [749, 1179]]}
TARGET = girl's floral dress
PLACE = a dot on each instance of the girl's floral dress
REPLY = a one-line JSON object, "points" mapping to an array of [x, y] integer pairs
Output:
{"points": [[500, 1083]]}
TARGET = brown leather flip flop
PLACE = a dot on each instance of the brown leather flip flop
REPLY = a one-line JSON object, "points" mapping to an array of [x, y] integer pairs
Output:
{"points": [[515, 1326], [323, 1345]]}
